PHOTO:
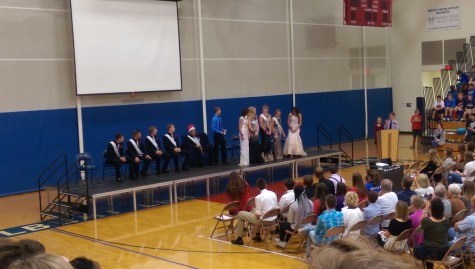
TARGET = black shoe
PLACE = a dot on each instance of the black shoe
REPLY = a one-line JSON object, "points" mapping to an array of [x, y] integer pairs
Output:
{"points": [[238, 241], [119, 180], [185, 169], [257, 238], [165, 172]]}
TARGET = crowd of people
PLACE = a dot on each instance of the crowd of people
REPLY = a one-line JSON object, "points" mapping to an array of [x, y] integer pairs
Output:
{"points": [[31, 254], [194, 146], [425, 201]]}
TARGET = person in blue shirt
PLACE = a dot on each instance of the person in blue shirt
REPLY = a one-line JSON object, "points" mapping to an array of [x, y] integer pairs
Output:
{"points": [[372, 210], [449, 106], [330, 218], [218, 134], [373, 181], [462, 79], [453, 91], [406, 194]]}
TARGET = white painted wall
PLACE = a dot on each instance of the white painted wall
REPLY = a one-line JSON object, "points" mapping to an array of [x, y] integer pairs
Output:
{"points": [[408, 31]]}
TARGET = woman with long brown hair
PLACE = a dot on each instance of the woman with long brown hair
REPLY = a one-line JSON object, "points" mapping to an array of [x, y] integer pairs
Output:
{"points": [[238, 190], [359, 187]]}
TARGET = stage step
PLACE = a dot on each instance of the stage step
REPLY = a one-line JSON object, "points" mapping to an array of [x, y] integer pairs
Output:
{"points": [[55, 215]]}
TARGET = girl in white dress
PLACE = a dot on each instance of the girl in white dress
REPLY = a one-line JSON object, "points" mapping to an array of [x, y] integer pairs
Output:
{"points": [[244, 137], [293, 145]]}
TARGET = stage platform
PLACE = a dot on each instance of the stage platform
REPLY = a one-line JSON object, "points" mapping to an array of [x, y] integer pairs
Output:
{"points": [[101, 189]]}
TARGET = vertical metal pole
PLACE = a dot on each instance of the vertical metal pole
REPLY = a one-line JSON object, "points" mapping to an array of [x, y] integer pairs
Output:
{"points": [[365, 81], [202, 68], [292, 50], [80, 127]]}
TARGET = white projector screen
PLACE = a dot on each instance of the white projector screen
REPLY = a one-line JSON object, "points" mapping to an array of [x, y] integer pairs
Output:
{"points": [[126, 46]]}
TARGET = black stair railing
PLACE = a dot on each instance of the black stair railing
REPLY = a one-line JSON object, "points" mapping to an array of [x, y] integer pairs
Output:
{"points": [[344, 133], [323, 132]]}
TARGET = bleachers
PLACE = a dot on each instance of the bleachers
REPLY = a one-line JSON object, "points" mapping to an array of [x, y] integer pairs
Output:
{"points": [[453, 139]]}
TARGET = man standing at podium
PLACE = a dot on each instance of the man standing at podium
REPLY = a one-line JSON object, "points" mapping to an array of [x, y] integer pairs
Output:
{"points": [[391, 123]]}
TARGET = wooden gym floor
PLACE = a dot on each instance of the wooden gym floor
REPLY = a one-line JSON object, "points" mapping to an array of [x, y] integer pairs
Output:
{"points": [[169, 236]]}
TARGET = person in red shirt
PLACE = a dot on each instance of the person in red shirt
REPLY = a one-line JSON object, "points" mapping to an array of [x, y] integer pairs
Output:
{"points": [[238, 190], [416, 121]]}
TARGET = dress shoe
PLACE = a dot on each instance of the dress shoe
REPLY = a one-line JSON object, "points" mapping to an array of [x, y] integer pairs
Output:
{"points": [[238, 241], [119, 180]]}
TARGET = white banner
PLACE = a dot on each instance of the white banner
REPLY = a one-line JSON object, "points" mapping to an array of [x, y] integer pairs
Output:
{"points": [[444, 18]]}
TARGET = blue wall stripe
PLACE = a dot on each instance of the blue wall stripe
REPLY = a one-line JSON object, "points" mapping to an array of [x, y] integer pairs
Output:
{"points": [[32, 139]]}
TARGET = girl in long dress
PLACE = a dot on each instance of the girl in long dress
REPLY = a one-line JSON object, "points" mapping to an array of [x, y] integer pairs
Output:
{"points": [[278, 133], [244, 137], [255, 155], [293, 145], [378, 126]]}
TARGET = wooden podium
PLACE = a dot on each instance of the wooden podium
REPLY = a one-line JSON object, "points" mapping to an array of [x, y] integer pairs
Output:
{"points": [[388, 143]]}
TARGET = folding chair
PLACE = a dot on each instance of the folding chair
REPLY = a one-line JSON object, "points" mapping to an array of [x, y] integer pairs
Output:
{"points": [[359, 226], [414, 233], [335, 231], [468, 250], [250, 203], [454, 256], [412, 168], [404, 236], [307, 220], [363, 204], [285, 210], [437, 172], [225, 218], [458, 217], [387, 217], [376, 220], [266, 227]]}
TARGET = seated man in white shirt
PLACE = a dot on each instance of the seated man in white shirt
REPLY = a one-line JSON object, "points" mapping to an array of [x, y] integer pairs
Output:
{"points": [[288, 197], [265, 201], [387, 199], [335, 178]]}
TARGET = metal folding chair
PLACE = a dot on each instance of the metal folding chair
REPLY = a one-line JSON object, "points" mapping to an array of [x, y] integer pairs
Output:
{"points": [[266, 227], [454, 256], [225, 218]]}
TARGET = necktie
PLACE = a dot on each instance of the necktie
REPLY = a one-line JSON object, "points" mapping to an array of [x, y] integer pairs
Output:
{"points": [[390, 124], [219, 123]]}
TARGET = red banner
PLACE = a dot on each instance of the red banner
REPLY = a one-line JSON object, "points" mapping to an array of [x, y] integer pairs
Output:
{"points": [[377, 13]]}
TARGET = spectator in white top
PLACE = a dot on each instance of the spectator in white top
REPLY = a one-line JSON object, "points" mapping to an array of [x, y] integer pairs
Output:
{"points": [[441, 192], [265, 201], [288, 197], [457, 177], [423, 187], [351, 212], [439, 106], [387, 199], [335, 178]]}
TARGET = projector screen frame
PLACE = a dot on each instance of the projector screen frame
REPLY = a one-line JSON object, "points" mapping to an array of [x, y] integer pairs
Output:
{"points": [[131, 92]]}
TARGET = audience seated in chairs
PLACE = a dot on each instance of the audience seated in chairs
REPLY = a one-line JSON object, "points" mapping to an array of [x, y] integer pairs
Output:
{"points": [[340, 195], [465, 227], [357, 254], [453, 195], [309, 186], [359, 187], [448, 164], [373, 181], [406, 193], [238, 190], [449, 106], [321, 193], [418, 207], [371, 211], [387, 199], [468, 192], [399, 224], [320, 175], [469, 167], [351, 212], [288, 197], [329, 219], [423, 187], [115, 155], [434, 163], [265, 201], [435, 229], [299, 209], [440, 192]]}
